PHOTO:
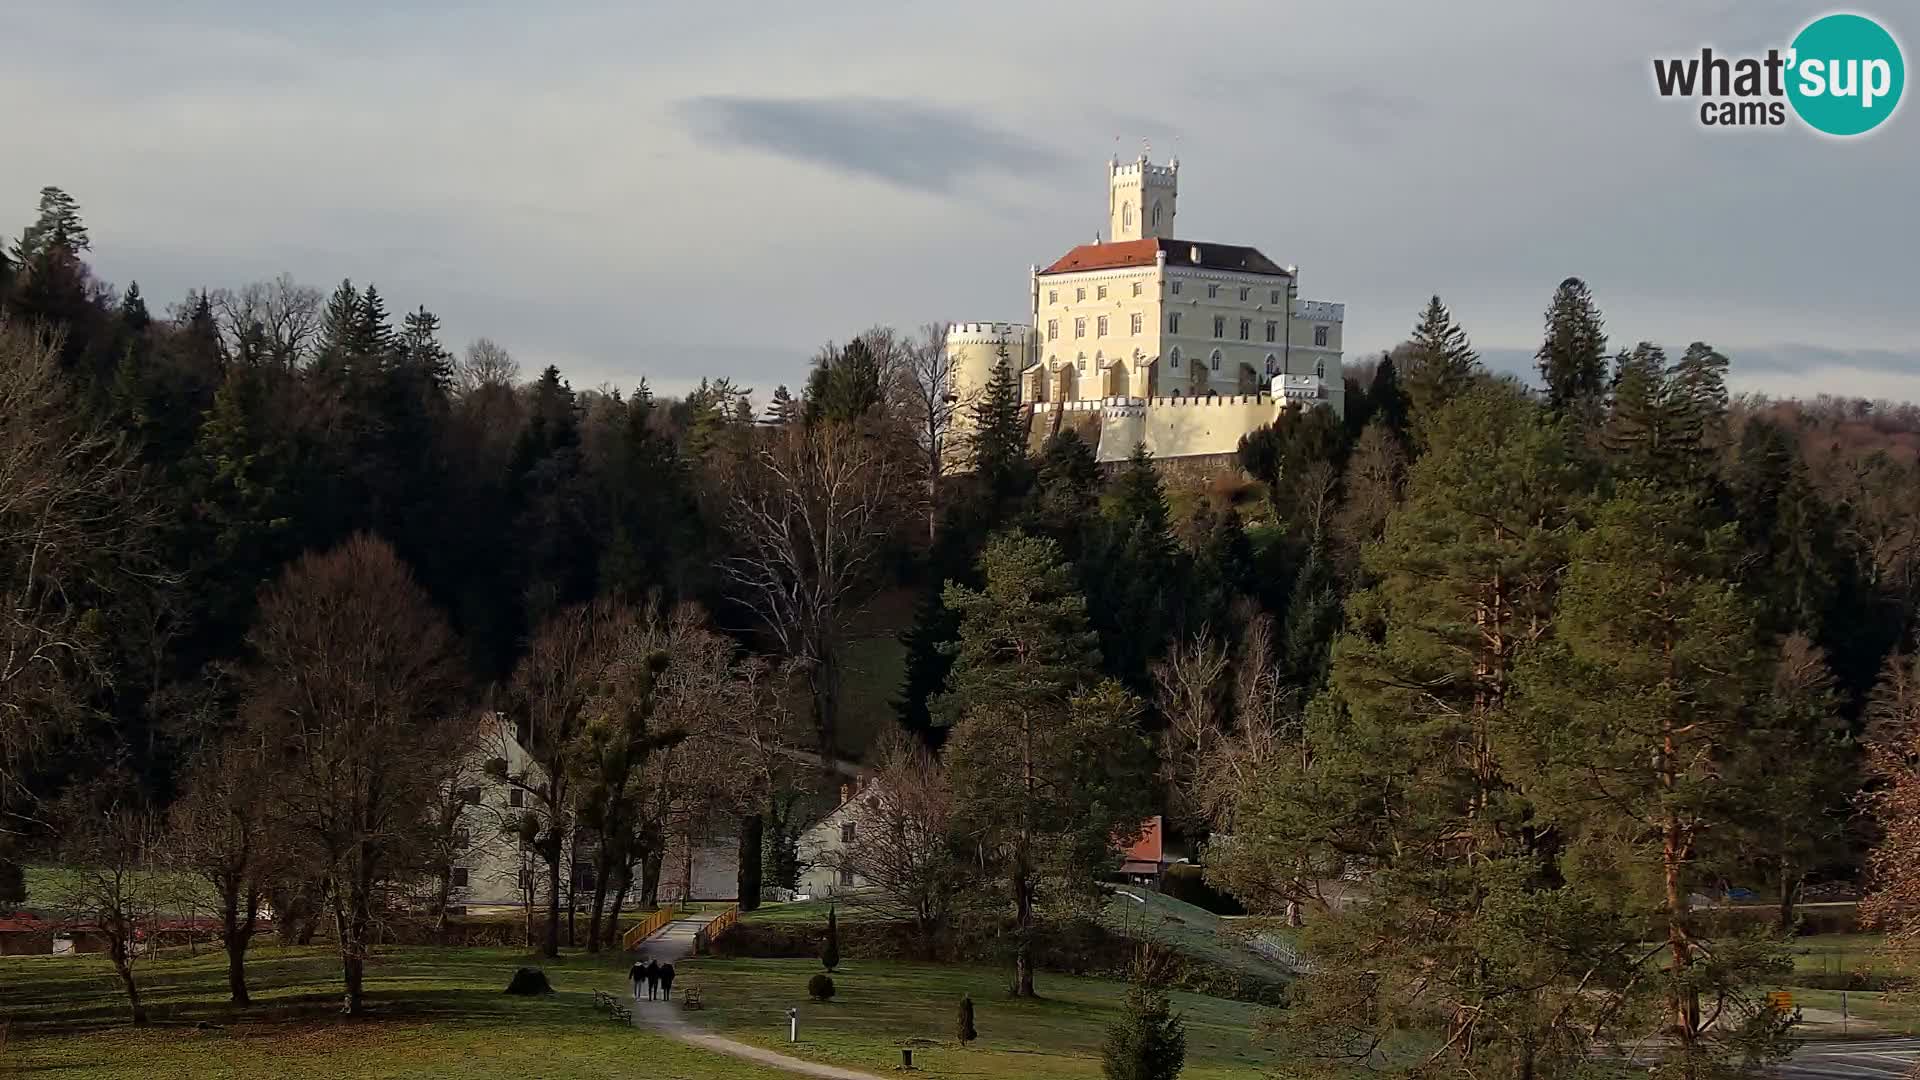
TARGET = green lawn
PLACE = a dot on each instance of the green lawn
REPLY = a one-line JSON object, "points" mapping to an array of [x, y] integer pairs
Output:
{"points": [[881, 1007], [437, 1013], [1195, 932]]}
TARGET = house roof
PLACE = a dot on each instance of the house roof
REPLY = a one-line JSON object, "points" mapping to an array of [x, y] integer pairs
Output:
{"points": [[1125, 253], [1148, 849]]}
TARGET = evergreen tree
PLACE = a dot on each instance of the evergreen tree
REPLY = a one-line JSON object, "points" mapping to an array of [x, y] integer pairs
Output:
{"points": [[133, 310], [1049, 771], [1138, 495], [1573, 358], [422, 353], [1665, 420], [373, 337], [57, 228], [339, 324], [844, 386], [1066, 490], [1440, 362], [784, 409], [1635, 714], [999, 435], [1134, 580], [1148, 1041], [1387, 399], [927, 665]]}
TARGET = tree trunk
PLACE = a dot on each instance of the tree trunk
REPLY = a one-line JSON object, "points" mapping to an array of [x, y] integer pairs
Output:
{"points": [[1023, 930], [120, 947], [601, 875], [236, 933], [1789, 895], [573, 876], [442, 897], [619, 901], [650, 876], [553, 898], [752, 839]]}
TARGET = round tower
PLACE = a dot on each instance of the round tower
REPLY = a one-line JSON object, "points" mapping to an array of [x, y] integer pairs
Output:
{"points": [[974, 348]]}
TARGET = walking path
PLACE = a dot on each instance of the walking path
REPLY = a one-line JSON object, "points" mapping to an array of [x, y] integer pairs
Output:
{"points": [[674, 943]]}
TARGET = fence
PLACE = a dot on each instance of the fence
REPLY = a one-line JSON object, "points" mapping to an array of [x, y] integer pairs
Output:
{"points": [[646, 929], [703, 939]]}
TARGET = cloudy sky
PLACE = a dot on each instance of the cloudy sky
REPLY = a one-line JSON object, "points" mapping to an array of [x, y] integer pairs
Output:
{"points": [[677, 190]]}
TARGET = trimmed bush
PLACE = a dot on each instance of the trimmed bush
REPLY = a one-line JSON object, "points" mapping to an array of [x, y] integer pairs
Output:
{"points": [[830, 948], [529, 981], [820, 988], [964, 1029]]}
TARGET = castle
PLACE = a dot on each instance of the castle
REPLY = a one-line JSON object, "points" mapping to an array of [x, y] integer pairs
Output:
{"points": [[1146, 339]]}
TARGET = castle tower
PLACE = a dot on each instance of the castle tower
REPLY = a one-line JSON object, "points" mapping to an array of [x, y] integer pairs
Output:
{"points": [[1140, 198], [975, 349]]}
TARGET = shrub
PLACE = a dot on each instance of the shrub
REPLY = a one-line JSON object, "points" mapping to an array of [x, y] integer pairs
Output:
{"points": [[830, 948], [1148, 1042], [528, 981], [965, 1027], [820, 988]]}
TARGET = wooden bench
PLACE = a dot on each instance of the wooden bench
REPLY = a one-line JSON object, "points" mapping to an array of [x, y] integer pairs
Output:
{"points": [[621, 1012], [693, 999], [602, 999]]}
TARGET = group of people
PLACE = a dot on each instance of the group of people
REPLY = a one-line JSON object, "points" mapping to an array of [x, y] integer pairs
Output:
{"points": [[658, 978]]}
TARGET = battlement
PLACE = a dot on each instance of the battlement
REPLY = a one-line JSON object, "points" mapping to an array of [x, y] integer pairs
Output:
{"points": [[1320, 310], [986, 333], [1150, 173], [1197, 401]]}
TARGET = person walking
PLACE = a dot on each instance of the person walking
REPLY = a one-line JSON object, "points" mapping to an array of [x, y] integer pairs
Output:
{"points": [[653, 978], [634, 976], [666, 983]]}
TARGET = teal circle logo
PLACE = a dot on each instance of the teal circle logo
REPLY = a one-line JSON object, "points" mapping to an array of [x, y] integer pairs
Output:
{"points": [[1845, 74]]}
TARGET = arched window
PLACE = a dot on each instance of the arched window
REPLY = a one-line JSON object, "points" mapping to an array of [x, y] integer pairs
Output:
{"points": [[1080, 361], [1273, 365], [1320, 369], [1126, 215], [1173, 358], [1214, 361], [1156, 215], [1176, 391]]}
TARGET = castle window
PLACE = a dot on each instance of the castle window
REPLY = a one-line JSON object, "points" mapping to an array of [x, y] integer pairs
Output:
{"points": [[1100, 326], [1320, 336], [1246, 329], [1176, 288], [1100, 293], [1080, 293], [1213, 292], [1216, 360], [1219, 326], [1053, 296], [1136, 288], [1320, 369], [1080, 362], [1273, 365], [1245, 292], [1137, 318], [1173, 322], [1156, 215], [459, 877], [1053, 329], [1080, 327], [1273, 329], [1173, 359], [1273, 297], [1126, 215]]}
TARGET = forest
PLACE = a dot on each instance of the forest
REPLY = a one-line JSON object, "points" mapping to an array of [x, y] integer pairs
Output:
{"points": [[1497, 688]]}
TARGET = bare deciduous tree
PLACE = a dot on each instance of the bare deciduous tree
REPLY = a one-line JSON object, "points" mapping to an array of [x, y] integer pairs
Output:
{"points": [[932, 401], [486, 364], [108, 838], [75, 537], [810, 511], [902, 846], [268, 322], [358, 690], [551, 688], [224, 831]]}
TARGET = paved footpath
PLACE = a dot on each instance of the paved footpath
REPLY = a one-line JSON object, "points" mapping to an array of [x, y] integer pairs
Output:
{"points": [[673, 944], [1860, 1059]]}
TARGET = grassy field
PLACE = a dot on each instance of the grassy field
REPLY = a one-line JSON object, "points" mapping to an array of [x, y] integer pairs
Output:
{"points": [[1199, 934], [881, 1007], [437, 1012]]}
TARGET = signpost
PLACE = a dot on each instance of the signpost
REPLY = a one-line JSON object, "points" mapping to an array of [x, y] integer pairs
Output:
{"points": [[793, 1025]]}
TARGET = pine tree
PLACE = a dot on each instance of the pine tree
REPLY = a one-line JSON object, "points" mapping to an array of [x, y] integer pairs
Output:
{"points": [[1440, 362], [422, 353], [844, 385], [373, 337], [133, 310], [1573, 358], [1665, 420], [964, 1029], [1634, 715], [1387, 399], [784, 409], [1148, 1041], [56, 229], [1048, 766], [830, 947]]}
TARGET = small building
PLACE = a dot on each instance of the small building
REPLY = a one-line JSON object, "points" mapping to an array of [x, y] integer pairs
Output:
{"points": [[1145, 859], [823, 872], [25, 934]]}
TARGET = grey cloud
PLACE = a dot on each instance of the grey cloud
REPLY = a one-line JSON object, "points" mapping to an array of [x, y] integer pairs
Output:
{"points": [[910, 144]]}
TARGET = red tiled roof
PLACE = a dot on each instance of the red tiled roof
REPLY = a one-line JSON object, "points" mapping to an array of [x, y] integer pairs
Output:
{"points": [[1148, 848], [1179, 253]]}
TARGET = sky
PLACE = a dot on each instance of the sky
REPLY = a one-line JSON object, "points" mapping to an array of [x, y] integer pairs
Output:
{"points": [[631, 189]]}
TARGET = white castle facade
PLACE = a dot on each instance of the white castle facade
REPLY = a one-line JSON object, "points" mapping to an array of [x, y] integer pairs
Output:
{"points": [[1147, 339]]}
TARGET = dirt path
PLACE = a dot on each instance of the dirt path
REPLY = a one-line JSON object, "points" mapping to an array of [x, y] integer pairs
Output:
{"points": [[673, 944]]}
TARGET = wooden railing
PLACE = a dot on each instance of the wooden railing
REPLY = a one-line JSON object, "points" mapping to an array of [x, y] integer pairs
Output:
{"points": [[646, 929], [703, 939]]}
